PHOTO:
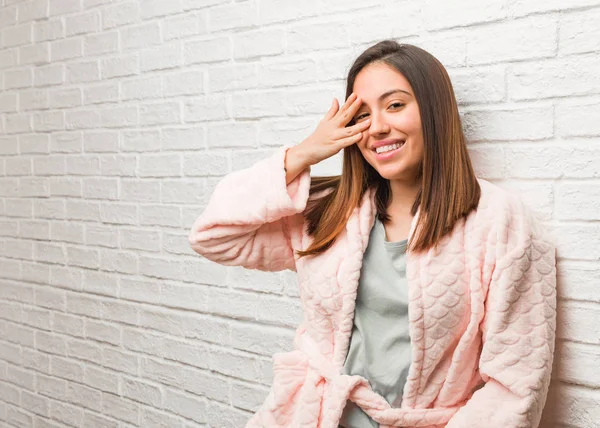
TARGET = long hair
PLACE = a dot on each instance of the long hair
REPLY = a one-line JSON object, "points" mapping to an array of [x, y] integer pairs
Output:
{"points": [[448, 190]]}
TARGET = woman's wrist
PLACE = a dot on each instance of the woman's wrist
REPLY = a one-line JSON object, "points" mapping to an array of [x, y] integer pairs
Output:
{"points": [[295, 162]]}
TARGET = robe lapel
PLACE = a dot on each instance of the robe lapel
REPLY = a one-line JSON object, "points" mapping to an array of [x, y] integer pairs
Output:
{"points": [[358, 230]]}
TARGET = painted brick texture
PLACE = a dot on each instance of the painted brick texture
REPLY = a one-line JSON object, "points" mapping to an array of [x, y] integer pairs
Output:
{"points": [[119, 117]]}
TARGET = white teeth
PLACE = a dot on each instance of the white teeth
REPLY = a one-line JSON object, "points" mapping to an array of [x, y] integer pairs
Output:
{"points": [[384, 149]]}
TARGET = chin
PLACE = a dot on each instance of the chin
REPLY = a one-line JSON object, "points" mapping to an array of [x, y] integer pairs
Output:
{"points": [[390, 173], [396, 172]]}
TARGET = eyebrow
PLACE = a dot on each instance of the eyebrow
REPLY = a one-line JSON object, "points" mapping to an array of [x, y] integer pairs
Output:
{"points": [[390, 92]]}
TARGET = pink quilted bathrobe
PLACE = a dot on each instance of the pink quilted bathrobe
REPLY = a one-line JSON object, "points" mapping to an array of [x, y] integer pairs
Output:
{"points": [[482, 307]]}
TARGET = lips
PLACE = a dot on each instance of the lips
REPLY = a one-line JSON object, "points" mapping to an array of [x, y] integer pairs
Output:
{"points": [[381, 143], [390, 154], [393, 144]]}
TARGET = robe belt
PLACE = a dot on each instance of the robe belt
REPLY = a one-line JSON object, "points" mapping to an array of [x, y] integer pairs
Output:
{"points": [[357, 389]]}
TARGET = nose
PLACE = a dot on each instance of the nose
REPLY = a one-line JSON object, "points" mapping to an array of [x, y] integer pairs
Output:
{"points": [[378, 125]]}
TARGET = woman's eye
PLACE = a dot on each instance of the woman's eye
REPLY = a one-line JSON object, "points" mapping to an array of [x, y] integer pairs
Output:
{"points": [[363, 115]]}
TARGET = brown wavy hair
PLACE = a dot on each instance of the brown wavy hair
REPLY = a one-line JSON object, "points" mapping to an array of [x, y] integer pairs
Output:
{"points": [[449, 189]]}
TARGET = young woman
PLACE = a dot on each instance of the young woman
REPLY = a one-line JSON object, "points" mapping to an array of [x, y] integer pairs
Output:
{"points": [[428, 294]]}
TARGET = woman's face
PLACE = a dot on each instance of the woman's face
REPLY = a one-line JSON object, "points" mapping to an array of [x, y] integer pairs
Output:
{"points": [[388, 99]]}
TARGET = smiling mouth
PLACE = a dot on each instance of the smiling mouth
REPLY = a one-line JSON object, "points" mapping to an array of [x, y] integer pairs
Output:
{"points": [[389, 148]]}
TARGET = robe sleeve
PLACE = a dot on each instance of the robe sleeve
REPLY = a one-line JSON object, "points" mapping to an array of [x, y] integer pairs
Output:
{"points": [[518, 329], [249, 215]]}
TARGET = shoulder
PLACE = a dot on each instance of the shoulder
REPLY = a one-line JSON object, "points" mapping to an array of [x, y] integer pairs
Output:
{"points": [[495, 197], [506, 213], [497, 203]]}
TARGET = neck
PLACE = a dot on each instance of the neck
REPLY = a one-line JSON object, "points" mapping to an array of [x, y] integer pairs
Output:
{"points": [[403, 195]]}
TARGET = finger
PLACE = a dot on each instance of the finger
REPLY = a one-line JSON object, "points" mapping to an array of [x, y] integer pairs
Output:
{"points": [[348, 141], [360, 126], [332, 110], [353, 108], [346, 116], [351, 130], [351, 99]]}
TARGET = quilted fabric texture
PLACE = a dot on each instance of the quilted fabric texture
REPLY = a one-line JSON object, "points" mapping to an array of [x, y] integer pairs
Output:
{"points": [[482, 307]]}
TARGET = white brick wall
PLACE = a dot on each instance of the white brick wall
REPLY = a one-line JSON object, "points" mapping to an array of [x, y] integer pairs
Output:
{"points": [[119, 118]]}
